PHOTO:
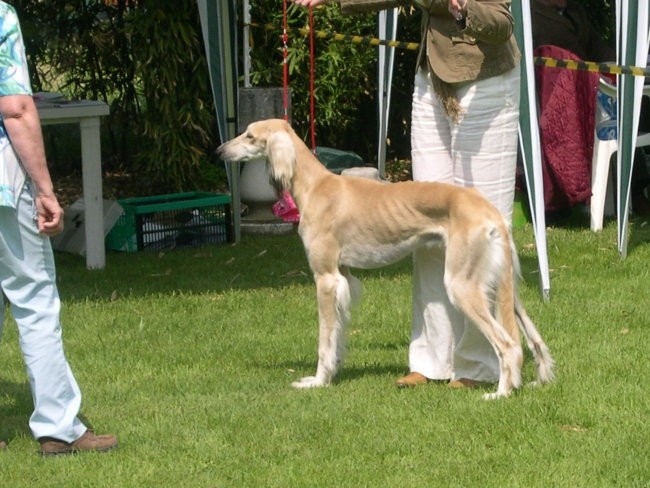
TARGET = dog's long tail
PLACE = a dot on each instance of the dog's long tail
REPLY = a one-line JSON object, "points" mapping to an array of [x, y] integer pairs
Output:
{"points": [[543, 360]]}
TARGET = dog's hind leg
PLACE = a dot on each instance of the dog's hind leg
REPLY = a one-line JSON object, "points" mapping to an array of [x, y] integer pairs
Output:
{"points": [[508, 351], [478, 280], [470, 297], [334, 302]]}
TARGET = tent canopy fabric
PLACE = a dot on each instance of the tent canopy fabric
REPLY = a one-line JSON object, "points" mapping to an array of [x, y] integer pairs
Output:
{"points": [[632, 43], [529, 140], [219, 26]]}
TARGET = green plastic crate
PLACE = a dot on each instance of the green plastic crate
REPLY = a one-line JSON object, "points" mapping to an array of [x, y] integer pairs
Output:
{"points": [[169, 221]]}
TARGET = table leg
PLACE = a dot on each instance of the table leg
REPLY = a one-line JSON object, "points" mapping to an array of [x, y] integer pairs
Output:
{"points": [[92, 193]]}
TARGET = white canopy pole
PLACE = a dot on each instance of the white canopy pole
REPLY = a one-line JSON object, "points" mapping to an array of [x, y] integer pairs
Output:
{"points": [[529, 140], [246, 42], [632, 50], [387, 20]]}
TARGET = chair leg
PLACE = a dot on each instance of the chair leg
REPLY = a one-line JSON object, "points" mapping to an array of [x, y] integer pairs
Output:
{"points": [[600, 164]]}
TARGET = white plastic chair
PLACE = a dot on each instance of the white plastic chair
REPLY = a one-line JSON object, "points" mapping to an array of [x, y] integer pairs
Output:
{"points": [[602, 189]]}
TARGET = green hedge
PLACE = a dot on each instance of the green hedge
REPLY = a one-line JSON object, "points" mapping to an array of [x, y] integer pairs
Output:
{"points": [[146, 60]]}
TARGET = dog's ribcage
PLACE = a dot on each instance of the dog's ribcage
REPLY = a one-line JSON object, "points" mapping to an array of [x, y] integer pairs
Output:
{"points": [[367, 253]]}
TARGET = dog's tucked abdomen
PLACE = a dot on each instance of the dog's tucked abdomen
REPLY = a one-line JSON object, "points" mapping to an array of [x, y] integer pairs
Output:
{"points": [[369, 254]]}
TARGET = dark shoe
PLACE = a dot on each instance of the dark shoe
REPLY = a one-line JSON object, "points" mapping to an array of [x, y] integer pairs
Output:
{"points": [[467, 383], [411, 380], [87, 442], [3, 445]]}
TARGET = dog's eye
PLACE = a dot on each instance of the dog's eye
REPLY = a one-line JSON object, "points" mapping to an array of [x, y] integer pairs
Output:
{"points": [[249, 135]]}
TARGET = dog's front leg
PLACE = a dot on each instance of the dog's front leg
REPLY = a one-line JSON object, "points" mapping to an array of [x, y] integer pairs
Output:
{"points": [[333, 294]]}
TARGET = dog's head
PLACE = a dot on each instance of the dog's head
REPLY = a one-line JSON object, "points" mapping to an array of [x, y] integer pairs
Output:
{"points": [[265, 139]]}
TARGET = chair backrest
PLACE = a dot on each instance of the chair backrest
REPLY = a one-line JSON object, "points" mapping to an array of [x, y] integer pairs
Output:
{"points": [[606, 87]]}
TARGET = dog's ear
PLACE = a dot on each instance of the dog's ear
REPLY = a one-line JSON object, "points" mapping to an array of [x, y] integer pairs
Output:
{"points": [[282, 159]]}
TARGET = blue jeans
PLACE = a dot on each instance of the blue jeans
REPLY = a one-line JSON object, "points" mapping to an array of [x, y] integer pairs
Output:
{"points": [[28, 281]]}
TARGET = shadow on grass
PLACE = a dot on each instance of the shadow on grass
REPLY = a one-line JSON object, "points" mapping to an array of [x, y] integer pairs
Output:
{"points": [[347, 372], [639, 233], [17, 408], [256, 262], [578, 219], [352, 373]]}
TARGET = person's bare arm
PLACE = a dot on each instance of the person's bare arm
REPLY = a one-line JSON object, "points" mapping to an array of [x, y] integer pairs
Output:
{"points": [[23, 127]]}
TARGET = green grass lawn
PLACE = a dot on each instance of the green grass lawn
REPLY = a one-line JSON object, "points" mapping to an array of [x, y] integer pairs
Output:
{"points": [[188, 357]]}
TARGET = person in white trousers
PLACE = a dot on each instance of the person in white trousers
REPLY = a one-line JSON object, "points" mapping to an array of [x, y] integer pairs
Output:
{"points": [[479, 151]]}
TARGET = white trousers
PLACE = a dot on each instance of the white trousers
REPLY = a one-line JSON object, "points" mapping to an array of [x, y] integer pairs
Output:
{"points": [[27, 278], [480, 151]]}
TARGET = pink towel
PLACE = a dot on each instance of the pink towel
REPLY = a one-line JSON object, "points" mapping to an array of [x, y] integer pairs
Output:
{"points": [[286, 208]]}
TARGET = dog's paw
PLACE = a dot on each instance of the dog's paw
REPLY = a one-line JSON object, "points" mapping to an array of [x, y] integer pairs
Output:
{"points": [[308, 382], [495, 396], [538, 383]]}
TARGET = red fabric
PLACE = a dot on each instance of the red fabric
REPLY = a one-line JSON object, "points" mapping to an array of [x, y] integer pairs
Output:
{"points": [[286, 208], [567, 101]]}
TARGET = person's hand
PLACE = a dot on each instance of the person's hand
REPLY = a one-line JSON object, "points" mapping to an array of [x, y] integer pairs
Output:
{"points": [[50, 215], [310, 3], [458, 8]]}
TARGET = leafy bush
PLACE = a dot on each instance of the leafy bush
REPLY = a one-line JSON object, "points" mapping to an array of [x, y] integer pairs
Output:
{"points": [[146, 60], [177, 116], [345, 89], [603, 16], [342, 85]]}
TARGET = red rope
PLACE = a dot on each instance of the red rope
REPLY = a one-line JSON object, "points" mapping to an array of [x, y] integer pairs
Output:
{"points": [[285, 64], [312, 70]]}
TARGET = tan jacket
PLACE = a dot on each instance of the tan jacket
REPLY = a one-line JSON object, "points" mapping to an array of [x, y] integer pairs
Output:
{"points": [[485, 47]]}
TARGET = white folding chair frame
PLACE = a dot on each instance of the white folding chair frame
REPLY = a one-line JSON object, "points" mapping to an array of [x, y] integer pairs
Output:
{"points": [[602, 189]]}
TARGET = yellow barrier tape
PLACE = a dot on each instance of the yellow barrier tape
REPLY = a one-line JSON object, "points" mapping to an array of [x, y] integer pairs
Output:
{"points": [[372, 41], [591, 66], [414, 46]]}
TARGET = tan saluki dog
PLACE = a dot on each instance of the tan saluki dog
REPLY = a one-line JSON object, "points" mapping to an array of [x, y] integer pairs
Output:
{"points": [[354, 222]]}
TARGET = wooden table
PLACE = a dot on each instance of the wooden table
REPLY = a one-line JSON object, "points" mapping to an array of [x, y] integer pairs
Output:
{"points": [[87, 114]]}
